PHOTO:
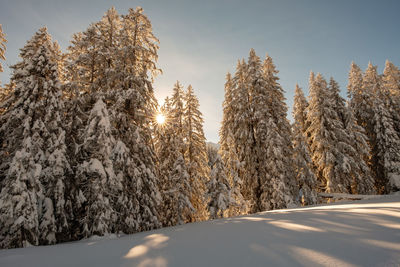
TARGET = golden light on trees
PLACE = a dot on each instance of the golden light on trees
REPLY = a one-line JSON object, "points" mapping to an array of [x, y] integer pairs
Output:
{"points": [[160, 118]]}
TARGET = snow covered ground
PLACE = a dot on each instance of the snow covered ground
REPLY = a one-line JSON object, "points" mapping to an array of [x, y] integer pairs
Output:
{"points": [[358, 233]]}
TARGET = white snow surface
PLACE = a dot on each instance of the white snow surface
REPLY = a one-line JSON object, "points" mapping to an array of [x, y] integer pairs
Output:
{"points": [[358, 233]]}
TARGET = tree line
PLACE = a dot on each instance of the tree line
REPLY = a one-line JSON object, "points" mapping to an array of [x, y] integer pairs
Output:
{"points": [[81, 153]]}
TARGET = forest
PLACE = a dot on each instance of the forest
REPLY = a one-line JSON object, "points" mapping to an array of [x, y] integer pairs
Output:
{"points": [[86, 149]]}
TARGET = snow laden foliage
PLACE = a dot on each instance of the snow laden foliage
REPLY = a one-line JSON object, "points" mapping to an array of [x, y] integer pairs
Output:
{"points": [[306, 179], [174, 180], [259, 135], [96, 178], [219, 190], [355, 147], [116, 57], [4, 91], [195, 154], [228, 152], [3, 42], [391, 89], [385, 142], [325, 128], [33, 152]]}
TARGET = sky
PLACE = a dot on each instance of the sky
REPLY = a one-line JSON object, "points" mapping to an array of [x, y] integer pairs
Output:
{"points": [[200, 41]]}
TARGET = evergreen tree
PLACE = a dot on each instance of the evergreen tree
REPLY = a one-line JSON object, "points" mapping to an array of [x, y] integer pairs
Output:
{"points": [[361, 99], [219, 191], [19, 197], [258, 125], [32, 127], [3, 42], [195, 154], [391, 90], [96, 175], [354, 142], [228, 151], [385, 142], [325, 129], [104, 61], [306, 179], [243, 137], [174, 180], [273, 134]]}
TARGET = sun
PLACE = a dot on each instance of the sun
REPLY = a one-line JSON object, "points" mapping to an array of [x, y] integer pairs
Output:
{"points": [[160, 118]]}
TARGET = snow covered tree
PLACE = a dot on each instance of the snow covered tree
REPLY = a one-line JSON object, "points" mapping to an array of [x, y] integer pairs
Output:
{"points": [[228, 151], [273, 135], [32, 126], [174, 179], [4, 91], [195, 154], [96, 177], [384, 140], [243, 137], [19, 197], [104, 57], [3, 42], [391, 90], [219, 191], [354, 142], [361, 99], [325, 129], [260, 133], [306, 179]]}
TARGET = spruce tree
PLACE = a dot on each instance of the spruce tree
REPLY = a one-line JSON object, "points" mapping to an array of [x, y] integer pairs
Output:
{"points": [[391, 89], [260, 136], [195, 154], [219, 191], [306, 179], [175, 188], [3, 42], [354, 145], [274, 138], [243, 137], [385, 142], [32, 126], [96, 177], [106, 62], [325, 128], [228, 151]]}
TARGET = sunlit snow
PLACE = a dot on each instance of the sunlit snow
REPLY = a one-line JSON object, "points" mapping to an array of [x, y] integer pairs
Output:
{"points": [[358, 233]]}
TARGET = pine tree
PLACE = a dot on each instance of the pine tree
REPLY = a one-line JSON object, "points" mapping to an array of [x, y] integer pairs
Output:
{"points": [[260, 140], [104, 61], [4, 91], [195, 154], [3, 42], [34, 134], [385, 142], [361, 98], [174, 180], [274, 134], [19, 199], [96, 175], [228, 151], [325, 129], [391, 89], [306, 179], [243, 137], [219, 191], [354, 145]]}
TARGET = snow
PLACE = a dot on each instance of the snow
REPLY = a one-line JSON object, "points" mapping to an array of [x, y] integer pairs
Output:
{"points": [[358, 233]]}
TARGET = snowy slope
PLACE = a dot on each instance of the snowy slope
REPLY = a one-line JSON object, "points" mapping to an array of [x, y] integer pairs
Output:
{"points": [[359, 233]]}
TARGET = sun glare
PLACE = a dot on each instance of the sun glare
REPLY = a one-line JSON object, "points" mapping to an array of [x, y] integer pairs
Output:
{"points": [[160, 118]]}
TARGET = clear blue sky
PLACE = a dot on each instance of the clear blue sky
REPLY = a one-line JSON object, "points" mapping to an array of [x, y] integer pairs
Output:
{"points": [[200, 41]]}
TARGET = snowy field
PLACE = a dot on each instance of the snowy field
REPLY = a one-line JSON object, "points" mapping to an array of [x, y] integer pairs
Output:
{"points": [[358, 233]]}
